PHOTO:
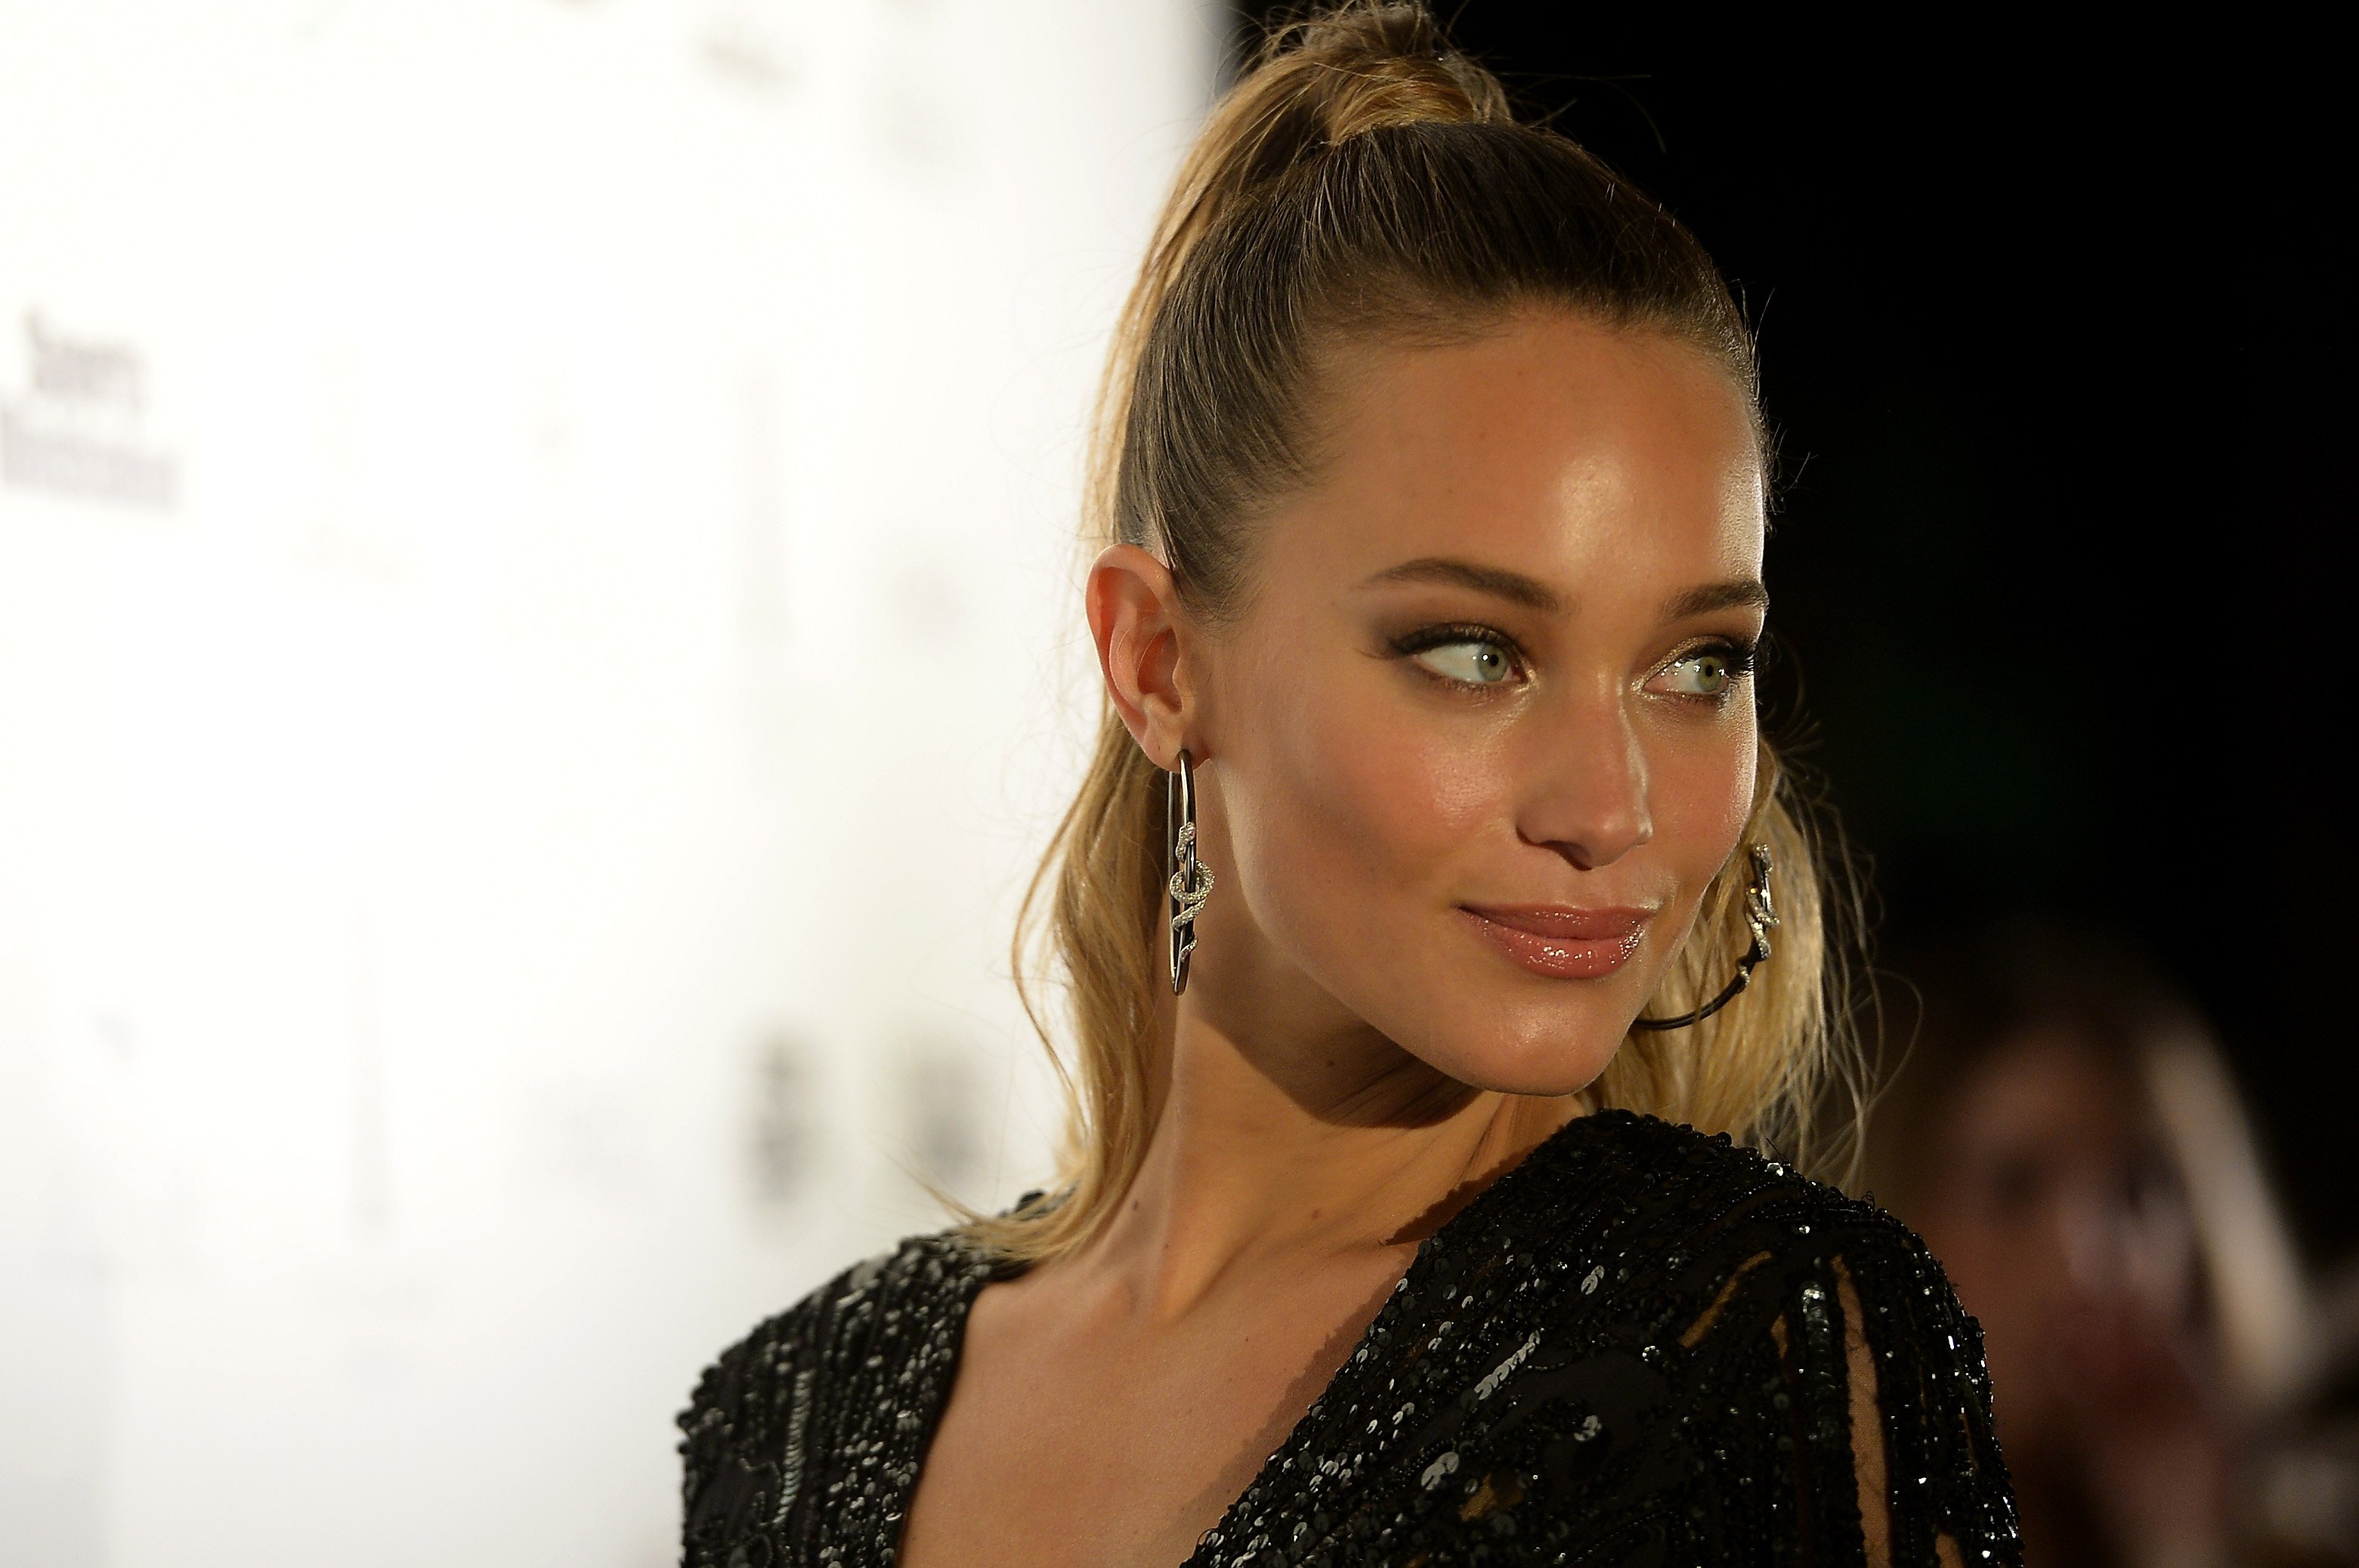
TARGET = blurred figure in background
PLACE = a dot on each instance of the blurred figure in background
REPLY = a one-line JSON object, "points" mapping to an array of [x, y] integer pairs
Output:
{"points": [[2065, 1136]]}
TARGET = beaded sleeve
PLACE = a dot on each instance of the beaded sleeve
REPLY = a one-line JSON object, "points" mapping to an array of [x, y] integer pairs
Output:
{"points": [[802, 1443], [1654, 1348], [1841, 1413], [745, 1440]]}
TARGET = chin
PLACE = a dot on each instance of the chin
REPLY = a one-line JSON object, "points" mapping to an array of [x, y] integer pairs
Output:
{"points": [[1559, 1053]]}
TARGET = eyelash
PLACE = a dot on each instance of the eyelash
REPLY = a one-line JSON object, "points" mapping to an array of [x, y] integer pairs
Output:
{"points": [[1742, 657], [1424, 637]]}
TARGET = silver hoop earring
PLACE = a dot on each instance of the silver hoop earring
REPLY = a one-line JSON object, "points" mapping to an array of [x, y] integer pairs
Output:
{"points": [[1761, 914], [1188, 881]]}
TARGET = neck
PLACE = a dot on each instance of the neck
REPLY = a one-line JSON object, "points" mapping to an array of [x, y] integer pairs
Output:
{"points": [[1292, 1147]]}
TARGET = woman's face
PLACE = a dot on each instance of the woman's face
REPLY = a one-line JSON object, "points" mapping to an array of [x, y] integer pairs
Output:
{"points": [[2056, 1206], [1484, 730]]}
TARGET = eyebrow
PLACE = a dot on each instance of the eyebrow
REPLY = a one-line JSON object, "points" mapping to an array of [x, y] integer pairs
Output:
{"points": [[1737, 593], [1512, 586]]}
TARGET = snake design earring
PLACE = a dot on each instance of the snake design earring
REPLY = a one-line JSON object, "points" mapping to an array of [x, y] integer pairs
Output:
{"points": [[1189, 881], [1761, 914]]}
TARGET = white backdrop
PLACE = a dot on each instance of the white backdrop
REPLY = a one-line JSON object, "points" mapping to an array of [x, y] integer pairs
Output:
{"points": [[536, 642]]}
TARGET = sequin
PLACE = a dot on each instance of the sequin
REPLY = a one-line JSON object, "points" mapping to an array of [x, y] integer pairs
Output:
{"points": [[1697, 1411]]}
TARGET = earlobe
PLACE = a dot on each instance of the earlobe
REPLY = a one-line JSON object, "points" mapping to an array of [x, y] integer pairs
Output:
{"points": [[1138, 625]]}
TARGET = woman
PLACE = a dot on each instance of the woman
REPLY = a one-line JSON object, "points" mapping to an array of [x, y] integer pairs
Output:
{"points": [[1405, 910], [2066, 1133]]}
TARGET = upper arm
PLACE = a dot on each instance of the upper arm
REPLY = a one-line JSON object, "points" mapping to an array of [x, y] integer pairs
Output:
{"points": [[1873, 1442], [1867, 1409], [1870, 1465], [1924, 1464]]}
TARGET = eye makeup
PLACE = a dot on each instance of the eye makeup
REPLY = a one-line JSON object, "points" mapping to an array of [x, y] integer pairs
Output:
{"points": [[1492, 660]]}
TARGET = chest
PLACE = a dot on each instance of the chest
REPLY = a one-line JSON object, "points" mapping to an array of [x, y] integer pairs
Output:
{"points": [[1076, 1433]]}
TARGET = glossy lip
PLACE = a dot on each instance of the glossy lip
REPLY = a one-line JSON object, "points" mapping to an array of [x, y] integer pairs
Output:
{"points": [[1560, 941]]}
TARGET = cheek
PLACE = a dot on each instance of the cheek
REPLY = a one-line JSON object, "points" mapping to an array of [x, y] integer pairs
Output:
{"points": [[1350, 810], [1701, 795], [1699, 792]]}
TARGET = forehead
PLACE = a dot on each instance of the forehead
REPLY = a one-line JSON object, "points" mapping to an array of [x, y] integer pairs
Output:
{"points": [[2054, 1087], [1553, 444]]}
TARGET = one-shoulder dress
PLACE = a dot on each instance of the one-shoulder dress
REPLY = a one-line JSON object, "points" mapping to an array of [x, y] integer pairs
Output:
{"points": [[1641, 1345]]}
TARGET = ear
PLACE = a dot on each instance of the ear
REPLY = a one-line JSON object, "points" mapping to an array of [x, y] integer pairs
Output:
{"points": [[1138, 624]]}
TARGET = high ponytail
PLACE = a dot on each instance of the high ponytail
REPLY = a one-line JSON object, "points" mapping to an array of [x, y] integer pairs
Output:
{"points": [[1316, 83], [1364, 180]]}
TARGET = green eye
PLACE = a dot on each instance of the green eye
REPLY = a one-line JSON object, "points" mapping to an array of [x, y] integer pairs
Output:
{"points": [[1475, 663], [1698, 675]]}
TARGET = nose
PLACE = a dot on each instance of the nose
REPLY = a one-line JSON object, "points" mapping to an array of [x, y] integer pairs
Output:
{"points": [[1586, 798]]}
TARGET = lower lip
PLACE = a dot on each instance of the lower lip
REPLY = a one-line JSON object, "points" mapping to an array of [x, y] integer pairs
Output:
{"points": [[1559, 957]]}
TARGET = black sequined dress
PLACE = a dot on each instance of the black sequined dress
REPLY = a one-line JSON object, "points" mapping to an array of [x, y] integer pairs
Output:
{"points": [[1629, 1349]]}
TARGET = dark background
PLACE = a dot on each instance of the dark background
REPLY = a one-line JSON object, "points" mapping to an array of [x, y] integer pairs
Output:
{"points": [[2055, 341]]}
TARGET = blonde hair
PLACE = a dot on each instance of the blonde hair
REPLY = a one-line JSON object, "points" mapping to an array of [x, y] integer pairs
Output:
{"points": [[1361, 181]]}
